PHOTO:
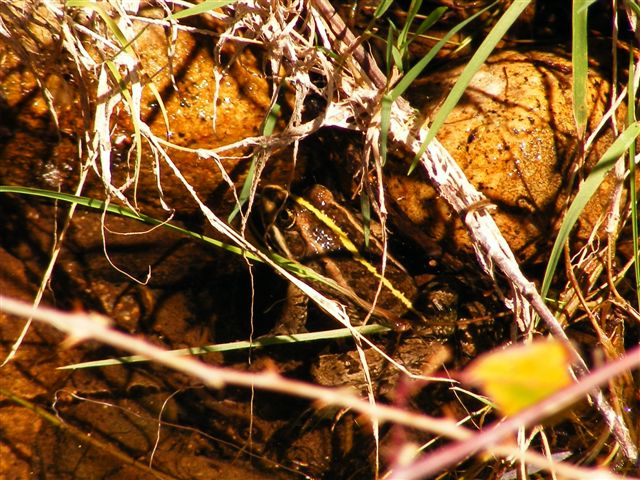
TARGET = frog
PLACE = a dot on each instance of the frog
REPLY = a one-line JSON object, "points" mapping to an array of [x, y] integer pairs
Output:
{"points": [[419, 355], [319, 232]]}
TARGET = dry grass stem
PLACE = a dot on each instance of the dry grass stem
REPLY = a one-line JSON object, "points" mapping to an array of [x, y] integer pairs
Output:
{"points": [[304, 41], [82, 327]]}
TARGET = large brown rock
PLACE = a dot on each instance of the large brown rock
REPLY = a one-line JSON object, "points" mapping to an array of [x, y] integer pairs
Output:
{"points": [[514, 135]]}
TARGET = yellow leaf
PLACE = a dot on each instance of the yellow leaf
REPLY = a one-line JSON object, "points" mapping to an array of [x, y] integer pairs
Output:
{"points": [[521, 375]]}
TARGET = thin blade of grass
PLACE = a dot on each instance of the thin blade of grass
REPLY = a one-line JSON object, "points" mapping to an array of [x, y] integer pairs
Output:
{"points": [[403, 36], [587, 190], [203, 7], [365, 211], [414, 72], [388, 54], [110, 22], [382, 8], [417, 69], [135, 117], [580, 59], [385, 123], [124, 212], [240, 345], [267, 129], [484, 50], [301, 271], [131, 101], [427, 23], [632, 88]]}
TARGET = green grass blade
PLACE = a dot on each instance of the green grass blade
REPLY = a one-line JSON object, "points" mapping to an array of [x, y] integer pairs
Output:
{"points": [[124, 212], [267, 129], [427, 23], [580, 61], [388, 52], [484, 50], [365, 211], [634, 7], [631, 117], [385, 124], [110, 22], [413, 73], [126, 45], [588, 188], [417, 69], [301, 271], [203, 7], [382, 8], [403, 36], [397, 57], [240, 345]]}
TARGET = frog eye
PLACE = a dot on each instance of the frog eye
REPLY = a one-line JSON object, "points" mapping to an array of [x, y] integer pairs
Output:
{"points": [[285, 219]]}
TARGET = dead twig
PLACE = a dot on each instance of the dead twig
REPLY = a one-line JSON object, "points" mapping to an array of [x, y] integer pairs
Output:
{"points": [[82, 327], [449, 180]]}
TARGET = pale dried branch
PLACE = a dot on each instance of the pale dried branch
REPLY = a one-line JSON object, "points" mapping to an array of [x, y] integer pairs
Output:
{"points": [[492, 251], [82, 327]]}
